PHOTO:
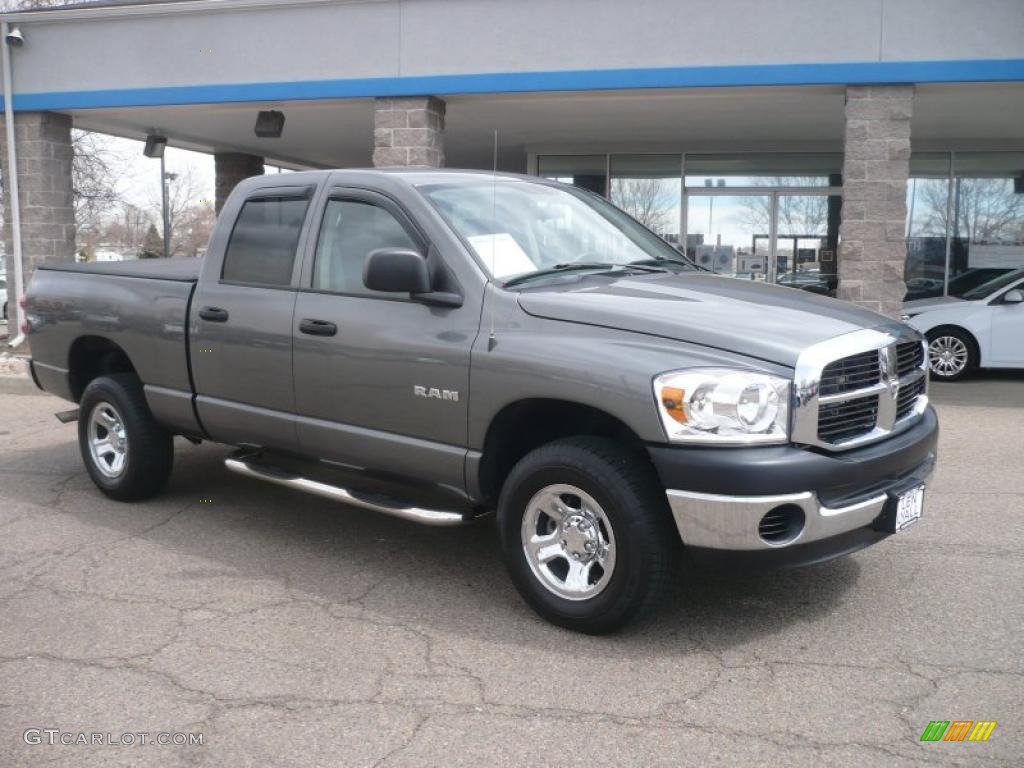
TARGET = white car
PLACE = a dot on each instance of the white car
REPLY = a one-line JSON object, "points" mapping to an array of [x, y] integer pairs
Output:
{"points": [[984, 328]]}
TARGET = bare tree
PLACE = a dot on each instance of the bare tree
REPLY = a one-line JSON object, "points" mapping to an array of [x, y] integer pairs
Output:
{"points": [[798, 214], [184, 213], [984, 210], [649, 201], [194, 228], [94, 175]]}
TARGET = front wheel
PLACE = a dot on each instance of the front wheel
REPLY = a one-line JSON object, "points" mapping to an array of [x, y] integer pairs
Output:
{"points": [[586, 534], [952, 354], [126, 453]]}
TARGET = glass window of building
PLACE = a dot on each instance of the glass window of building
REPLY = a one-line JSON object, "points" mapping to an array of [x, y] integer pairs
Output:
{"points": [[927, 214], [648, 188], [965, 221], [811, 169], [771, 217], [586, 171]]}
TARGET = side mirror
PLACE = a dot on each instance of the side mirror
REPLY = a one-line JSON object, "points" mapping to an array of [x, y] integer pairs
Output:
{"points": [[396, 270], [1016, 296]]}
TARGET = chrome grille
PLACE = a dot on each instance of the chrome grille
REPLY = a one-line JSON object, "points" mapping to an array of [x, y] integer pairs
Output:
{"points": [[859, 388], [907, 397], [909, 357], [851, 373], [846, 419]]}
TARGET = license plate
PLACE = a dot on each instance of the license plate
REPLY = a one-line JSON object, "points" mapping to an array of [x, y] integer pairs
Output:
{"points": [[908, 507]]}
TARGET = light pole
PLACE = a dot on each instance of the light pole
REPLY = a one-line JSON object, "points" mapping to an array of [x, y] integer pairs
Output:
{"points": [[711, 218], [164, 178], [155, 146]]}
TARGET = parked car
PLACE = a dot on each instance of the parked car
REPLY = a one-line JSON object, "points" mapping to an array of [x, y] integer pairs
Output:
{"points": [[813, 282], [437, 345], [982, 328], [932, 288]]}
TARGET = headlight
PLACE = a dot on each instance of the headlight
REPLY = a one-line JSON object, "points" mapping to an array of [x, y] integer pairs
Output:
{"points": [[723, 406]]}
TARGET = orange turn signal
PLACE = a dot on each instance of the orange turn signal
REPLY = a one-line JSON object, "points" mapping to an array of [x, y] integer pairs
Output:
{"points": [[672, 399]]}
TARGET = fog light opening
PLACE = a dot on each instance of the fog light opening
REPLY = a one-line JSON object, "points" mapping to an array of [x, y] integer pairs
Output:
{"points": [[781, 525]]}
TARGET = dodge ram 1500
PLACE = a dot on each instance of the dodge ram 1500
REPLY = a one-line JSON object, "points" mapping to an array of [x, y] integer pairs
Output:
{"points": [[440, 344]]}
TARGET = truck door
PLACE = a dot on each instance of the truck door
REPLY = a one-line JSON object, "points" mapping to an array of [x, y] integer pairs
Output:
{"points": [[381, 381], [241, 319]]}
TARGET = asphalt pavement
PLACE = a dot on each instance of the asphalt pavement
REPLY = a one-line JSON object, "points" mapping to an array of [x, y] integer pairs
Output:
{"points": [[287, 630]]}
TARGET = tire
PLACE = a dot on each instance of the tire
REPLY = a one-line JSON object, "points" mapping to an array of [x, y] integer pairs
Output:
{"points": [[952, 354], [136, 461], [611, 502]]}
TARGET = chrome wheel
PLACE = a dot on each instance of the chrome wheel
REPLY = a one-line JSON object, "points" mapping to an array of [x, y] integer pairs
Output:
{"points": [[568, 542], [108, 441], [947, 356]]}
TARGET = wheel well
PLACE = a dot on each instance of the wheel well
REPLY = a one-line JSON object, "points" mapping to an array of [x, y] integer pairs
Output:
{"points": [[91, 357], [520, 427], [938, 329]]}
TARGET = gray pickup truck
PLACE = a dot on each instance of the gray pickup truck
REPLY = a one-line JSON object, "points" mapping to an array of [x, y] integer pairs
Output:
{"points": [[439, 344]]}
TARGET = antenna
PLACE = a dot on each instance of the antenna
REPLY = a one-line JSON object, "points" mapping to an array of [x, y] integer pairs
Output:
{"points": [[491, 339]]}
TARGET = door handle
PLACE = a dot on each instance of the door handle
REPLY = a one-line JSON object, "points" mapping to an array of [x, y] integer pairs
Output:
{"points": [[318, 327], [214, 314]]}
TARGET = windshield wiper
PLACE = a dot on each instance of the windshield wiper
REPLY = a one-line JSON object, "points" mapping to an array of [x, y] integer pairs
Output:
{"points": [[572, 266], [684, 260]]}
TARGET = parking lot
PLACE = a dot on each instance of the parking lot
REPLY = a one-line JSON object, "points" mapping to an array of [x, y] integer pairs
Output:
{"points": [[289, 630]]}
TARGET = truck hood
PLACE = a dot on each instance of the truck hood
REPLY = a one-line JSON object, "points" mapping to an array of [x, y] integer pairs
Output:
{"points": [[769, 322]]}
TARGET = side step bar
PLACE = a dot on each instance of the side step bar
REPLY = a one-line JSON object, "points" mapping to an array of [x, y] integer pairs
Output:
{"points": [[243, 464]]}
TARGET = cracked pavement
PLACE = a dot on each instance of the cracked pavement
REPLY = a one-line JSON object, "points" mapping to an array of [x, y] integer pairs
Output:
{"points": [[292, 631]]}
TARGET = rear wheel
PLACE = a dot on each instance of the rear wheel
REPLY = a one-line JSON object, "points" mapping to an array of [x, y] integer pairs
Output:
{"points": [[586, 533], [952, 354], [126, 453]]}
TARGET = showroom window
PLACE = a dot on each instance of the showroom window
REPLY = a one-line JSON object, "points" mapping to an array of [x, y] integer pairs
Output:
{"points": [[770, 217], [757, 216], [586, 171], [965, 220], [648, 188]]}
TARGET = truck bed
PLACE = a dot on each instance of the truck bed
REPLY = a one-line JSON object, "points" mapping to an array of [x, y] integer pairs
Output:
{"points": [[79, 310], [179, 269]]}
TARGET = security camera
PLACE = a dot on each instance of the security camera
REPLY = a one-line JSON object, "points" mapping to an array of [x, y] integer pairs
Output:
{"points": [[14, 38]]}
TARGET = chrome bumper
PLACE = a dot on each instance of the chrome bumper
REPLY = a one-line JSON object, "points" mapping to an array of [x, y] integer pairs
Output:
{"points": [[731, 522]]}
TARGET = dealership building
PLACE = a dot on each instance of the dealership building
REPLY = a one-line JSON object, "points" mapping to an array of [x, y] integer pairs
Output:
{"points": [[855, 146]]}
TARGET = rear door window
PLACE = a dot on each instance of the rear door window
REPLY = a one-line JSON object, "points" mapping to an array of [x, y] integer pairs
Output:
{"points": [[262, 247]]}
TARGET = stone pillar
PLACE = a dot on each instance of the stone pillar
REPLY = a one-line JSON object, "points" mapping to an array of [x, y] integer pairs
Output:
{"points": [[409, 131], [876, 165], [45, 191], [230, 168]]}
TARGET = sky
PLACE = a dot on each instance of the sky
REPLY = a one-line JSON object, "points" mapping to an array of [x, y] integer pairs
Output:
{"points": [[139, 181]]}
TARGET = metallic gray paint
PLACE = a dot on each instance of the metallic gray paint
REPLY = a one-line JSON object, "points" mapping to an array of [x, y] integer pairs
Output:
{"points": [[595, 341], [763, 321]]}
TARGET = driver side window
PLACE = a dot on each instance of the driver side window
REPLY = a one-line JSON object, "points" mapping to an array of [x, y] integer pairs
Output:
{"points": [[352, 229]]}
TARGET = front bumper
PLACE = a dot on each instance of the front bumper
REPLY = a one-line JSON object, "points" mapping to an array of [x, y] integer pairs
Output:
{"points": [[843, 497]]}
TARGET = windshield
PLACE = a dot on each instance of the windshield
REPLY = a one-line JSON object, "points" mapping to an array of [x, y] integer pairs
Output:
{"points": [[985, 290], [522, 227]]}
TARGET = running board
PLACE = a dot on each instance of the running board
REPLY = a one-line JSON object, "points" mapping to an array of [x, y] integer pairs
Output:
{"points": [[243, 464]]}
